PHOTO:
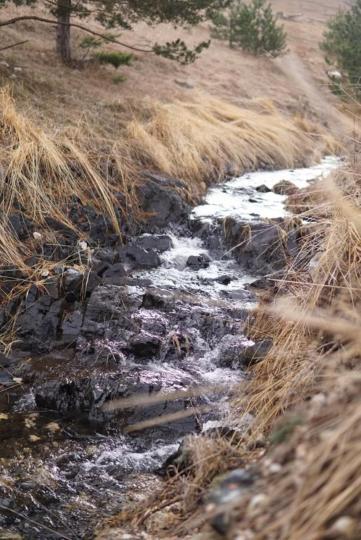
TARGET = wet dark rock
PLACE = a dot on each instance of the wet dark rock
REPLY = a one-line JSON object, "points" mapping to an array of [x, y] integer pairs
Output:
{"points": [[231, 351], [285, 187], [39, 321], [158, 299], [70, 396], [72, 278], [106, 255], [178, 462], [139, 282], [252, 200], [107, 302], [138, 257], [257, 352], [263, 189], [197, 262], [96, 226], [21, 225], [211, 234], [214, 325], [71, 326], [262, 283], [150, 321], [224, 280], [5, 378], [114, 275], [240, 294], [231, 488], [159, 197], [144, 345], [154, 242], [259, 247]]}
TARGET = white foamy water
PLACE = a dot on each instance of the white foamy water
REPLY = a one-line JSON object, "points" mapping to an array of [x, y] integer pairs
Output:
{"points": [[232, 199]]}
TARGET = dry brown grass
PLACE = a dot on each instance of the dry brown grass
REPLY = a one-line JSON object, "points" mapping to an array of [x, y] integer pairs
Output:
{"points": [[289, 372], [203, 140], [313, 370]]}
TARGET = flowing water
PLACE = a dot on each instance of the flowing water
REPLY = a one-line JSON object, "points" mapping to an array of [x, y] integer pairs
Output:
{"points": [[62, 471]]}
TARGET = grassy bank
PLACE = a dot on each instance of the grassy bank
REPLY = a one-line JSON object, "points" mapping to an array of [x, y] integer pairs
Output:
{"points": [[198, 142]]}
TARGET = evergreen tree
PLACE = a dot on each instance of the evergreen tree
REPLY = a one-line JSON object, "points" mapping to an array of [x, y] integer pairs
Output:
{"points": [[342, 44], [251, 26]]}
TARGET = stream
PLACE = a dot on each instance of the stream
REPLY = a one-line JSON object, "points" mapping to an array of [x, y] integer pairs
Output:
{"points": [[174, 322]]}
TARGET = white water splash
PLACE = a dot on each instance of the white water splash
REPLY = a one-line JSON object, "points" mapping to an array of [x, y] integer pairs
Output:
{"points": [[233, 198]]}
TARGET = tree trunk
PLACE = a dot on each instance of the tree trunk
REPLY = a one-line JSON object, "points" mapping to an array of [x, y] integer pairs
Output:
{"points": [[63, 12]]}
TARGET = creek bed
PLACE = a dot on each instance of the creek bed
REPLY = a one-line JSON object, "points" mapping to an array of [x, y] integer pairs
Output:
{"points": [[64, 462]]}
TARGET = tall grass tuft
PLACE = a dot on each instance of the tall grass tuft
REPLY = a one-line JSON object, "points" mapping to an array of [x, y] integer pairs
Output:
{"points": [[203, 140]]}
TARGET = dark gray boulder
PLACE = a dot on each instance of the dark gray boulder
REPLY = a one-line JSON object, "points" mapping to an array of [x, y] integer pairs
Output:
{"points": [[263, 189], [197, 262], [231, 349], [154, 242], [259, 247], [160, 199], [137, 257]]}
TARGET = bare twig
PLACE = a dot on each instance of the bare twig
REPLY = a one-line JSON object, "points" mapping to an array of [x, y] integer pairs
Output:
{"points": [[14, 45], [74, 25]]}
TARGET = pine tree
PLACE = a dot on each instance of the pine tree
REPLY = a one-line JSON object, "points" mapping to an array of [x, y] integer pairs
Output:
{"points": [[342, 44], [253, 27]]}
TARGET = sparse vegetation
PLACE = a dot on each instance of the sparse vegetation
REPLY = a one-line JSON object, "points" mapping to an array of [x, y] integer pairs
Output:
{"points": [[251, 26], [118, 79], [115, 58]]}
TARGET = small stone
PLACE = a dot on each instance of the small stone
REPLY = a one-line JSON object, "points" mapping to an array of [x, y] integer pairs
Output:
{"points": [[319, 399], [83, 245], [275, 468], [37, 235], [245, 535], [224, 280], [198, 262], [232, 487], [185, 84], [345, 527], [285, 187], [263, 189], [257, 504], [53, 427], [34, 438]]}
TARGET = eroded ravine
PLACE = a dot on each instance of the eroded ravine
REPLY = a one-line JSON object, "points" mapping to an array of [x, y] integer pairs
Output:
{"points": [[167, 315]]}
